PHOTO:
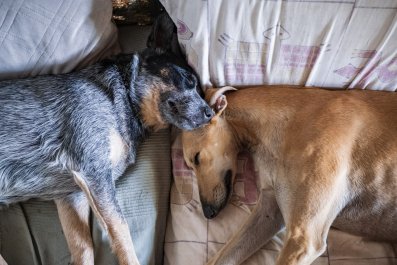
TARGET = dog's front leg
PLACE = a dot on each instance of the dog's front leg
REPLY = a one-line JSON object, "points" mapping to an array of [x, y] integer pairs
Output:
{"points": [[308, 214], [74, 213], [305, 241], [102, 198], [263, 223]]}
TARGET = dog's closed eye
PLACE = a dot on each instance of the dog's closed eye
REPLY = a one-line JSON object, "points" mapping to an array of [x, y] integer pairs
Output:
{"points": [[191, 82], [197, 159]]}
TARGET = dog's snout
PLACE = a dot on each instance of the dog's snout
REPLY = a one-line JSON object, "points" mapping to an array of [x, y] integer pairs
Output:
{"points": [[208, 113], [209, 211]]}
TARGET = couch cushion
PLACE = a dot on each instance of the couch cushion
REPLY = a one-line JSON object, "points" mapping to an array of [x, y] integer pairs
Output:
{"points": [[42, 37], [313, 42]]}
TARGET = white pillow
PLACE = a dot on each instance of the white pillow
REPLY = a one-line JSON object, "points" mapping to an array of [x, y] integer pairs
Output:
{"points": [[47, 36], [341, 44]]}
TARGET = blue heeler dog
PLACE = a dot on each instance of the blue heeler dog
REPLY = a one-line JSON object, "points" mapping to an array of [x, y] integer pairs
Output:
{"points": [[69, 137]]}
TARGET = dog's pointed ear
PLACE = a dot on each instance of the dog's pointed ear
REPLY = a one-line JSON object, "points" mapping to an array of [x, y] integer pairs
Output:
{"points": [[134, 68], [163, 36], [217, 100]]}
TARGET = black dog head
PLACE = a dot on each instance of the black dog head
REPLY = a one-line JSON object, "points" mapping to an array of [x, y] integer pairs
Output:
{"points": [[175, 95]]}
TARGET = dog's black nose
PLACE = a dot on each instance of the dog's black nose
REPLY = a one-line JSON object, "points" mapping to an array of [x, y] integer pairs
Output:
{"points": [[208, 113], [209, 211]]}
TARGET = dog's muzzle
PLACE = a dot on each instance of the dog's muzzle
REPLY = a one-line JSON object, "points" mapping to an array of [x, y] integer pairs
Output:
{"points": [[209, 211], [202, 117], [207, 114]]}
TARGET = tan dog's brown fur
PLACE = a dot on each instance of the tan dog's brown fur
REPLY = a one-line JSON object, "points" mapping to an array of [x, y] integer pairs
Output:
{"points": [[323, 157]]}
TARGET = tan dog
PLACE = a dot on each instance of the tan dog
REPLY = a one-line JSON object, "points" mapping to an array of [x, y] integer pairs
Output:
{"points": [[323, 157]]}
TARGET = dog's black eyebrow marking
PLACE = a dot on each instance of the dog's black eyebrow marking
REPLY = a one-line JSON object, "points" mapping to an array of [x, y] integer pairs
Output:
{"points": [[197, 159]]}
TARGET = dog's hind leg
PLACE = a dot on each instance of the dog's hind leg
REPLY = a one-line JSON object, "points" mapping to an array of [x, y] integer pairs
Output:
{"points": [[102, 198], [263, 223], [74, 213]]}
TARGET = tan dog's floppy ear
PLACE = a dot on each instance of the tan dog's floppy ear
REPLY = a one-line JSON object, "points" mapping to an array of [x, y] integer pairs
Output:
{"points": [[217, 100]]}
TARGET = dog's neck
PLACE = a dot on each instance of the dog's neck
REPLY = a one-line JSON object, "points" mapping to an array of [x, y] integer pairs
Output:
{"points": [[145, 102], [148, 105], [257, 119]]}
